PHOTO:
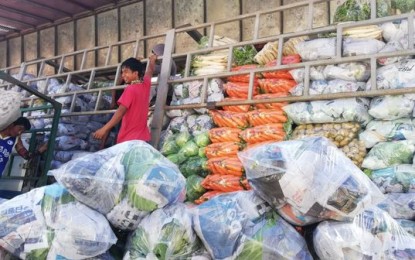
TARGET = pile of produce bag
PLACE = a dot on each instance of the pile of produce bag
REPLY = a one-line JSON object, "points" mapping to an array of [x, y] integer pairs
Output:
{"points": [[373, 234], [240, 225], [295, 173], [48, 223], [166, 233], [125, 182]]}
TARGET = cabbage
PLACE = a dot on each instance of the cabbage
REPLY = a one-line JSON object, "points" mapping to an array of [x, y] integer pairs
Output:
{"points": [[194, 165], [190, 149], [164, 234], [194, 189], [177, 158], [141, 190], [183, 138], [202, 152], [202, 139], [169, 146]]}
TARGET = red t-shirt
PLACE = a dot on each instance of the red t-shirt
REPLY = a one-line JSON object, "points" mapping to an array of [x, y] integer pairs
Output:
{"points": [[134, 122]]}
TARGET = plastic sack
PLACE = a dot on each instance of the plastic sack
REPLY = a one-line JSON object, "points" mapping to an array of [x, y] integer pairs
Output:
{"points": [[295, 173], [318, 87], [329, 111], [396, 75], [382, 131], [126, 181], [407, 225], [399, 205], [9, 108], [164, 234], [356, 47], [66, 143], [387, 154], [49, 223], [240, 225], [396, 179], [353, 71], [373, 234], [392, 107], [317, 49]]}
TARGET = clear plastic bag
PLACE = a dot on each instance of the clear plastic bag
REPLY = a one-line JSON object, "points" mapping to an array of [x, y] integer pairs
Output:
{"points": [[164, 234], [396, 179], [329, 111], [9, 108], [295, 173], [49, 223], [240, 225], [387, 154], [373, 234], [396, 75], [382, 131], [392, 107], [126, 181], [399, 205]]}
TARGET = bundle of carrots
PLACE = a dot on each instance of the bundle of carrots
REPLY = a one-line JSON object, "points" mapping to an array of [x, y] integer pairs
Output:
{"points": [[240, 126]]}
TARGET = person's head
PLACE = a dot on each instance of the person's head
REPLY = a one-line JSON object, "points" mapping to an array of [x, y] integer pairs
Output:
{"points": [[19, 126], [131, 69]]}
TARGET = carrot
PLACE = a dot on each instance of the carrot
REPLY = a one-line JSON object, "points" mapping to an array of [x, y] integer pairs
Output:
{"points": [[224, 134], [222, 149], [207, 196], [226, 165], [239, 89], [276, 85], [269, 132], [225, 183], [242, 77], [266, 116], [229, 119], [236, 108], [291, 59], [270, 105]]}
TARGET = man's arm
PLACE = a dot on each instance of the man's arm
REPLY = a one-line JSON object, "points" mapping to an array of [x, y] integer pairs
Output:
{"points": [[151, 64], [116, 118], [23, 152]]}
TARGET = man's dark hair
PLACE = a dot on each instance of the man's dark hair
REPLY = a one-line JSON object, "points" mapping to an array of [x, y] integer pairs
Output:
{"points": [[134, 65], [23, 121]]}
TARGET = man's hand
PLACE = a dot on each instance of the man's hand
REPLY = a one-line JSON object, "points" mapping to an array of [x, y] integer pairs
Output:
{"points": [[100, 133]]}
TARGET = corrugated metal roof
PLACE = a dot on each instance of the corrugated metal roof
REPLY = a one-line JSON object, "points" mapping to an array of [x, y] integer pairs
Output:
{"points": [[22, 16]]}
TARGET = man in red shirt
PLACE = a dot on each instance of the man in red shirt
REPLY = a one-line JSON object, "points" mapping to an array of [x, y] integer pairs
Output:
{"points": [[133, 103]]}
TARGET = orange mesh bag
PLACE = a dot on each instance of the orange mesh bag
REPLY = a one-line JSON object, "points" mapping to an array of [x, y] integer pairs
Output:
{"points": [[243, 77], [239, 89], [236, 108], [262, 133], [226, 165], [224, 134], [266, 116], [225, 183], [276, 85], [229, 119]]}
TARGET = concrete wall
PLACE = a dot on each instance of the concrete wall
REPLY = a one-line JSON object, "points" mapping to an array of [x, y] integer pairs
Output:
{"points": [[152, 18]]}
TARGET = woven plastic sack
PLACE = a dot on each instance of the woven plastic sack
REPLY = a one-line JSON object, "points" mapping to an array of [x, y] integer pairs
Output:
{"points": [[9, 107]]}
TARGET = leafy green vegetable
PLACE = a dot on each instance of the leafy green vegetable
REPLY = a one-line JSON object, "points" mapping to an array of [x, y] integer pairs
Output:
{"points": [[182, 138], [352, 10], [170, 146], [202, 139], [244, 55], [404, 6], [189, 149], [177, 158], [194, 189], [202, 152], [140, 244], [194, 165]]}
